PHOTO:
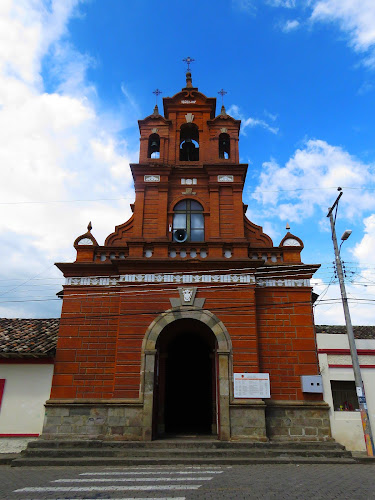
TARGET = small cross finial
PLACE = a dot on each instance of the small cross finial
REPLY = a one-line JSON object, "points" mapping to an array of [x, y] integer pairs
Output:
{"points": [[157, 92], [222, 92], [188, 61]]}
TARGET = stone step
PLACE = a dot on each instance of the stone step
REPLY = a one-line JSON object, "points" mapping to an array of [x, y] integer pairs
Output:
{"points": [[203, 451], [157, 461], [183, 453], [7, 458], [183, 444]]}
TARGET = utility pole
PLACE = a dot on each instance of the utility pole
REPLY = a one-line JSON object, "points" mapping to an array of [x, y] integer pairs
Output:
{"points": [[349, 328]]}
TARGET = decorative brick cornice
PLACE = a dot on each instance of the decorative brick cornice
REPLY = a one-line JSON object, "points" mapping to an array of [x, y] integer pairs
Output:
{"points": [[185, 278]]}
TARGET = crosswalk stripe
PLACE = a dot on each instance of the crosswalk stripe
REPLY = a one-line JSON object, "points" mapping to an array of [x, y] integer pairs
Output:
{"points": [[166, 467], [131, 479], [150, 473], [127, 498], [71, 489]]}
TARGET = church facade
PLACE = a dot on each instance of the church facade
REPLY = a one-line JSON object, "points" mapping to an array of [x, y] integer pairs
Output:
{"points": [[176, 323]]}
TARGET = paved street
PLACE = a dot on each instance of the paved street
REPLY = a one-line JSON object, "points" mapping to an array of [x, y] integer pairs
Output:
{"points": [[187, 483]]}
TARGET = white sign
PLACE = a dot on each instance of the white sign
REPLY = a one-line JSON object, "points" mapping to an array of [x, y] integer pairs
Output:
{"points": [[251, 385], [152, 178], [225, 178]]}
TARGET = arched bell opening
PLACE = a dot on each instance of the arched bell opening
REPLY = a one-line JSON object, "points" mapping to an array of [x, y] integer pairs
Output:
{"points": [[185, 401], [224, 146], [153, 150], [189, 142]]}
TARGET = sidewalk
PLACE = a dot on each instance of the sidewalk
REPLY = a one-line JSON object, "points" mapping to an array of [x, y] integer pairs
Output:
{"points": [[6, 458], [362, 458]]}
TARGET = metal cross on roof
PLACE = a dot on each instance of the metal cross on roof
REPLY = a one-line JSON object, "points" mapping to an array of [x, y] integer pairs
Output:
{"points": [[222, 92], [157, 92], [188, 61]]}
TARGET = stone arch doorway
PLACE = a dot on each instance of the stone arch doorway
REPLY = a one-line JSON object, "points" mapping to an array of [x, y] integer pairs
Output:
{"points": [[185, 383], [210, 336]]}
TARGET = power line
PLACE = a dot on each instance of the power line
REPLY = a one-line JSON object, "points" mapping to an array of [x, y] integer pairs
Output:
{"points": [[89, 200]]}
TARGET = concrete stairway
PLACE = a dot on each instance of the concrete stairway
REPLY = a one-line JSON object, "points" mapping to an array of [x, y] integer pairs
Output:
{"points": [[178, 451]]}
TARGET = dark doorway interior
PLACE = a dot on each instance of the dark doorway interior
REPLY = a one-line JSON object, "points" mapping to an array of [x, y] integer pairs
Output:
{"points": [[186, 383]]}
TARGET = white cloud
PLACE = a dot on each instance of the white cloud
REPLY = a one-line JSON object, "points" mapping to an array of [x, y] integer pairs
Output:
{"points": [[244, 6], [271, 116], [328, 309], [54, 145], [133, 103], [288, 4], [28, 28], [365, 250], [365, 88], [251, 122], [294, 191], [290, 25], [357, 18]]}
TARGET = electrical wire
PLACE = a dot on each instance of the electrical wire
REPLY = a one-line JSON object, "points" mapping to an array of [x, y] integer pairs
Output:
{"points": [[88, 200]]}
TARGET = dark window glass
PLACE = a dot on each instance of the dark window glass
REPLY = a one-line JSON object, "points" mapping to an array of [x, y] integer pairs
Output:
{"points": [[196, 235], [196, 221], [194, 205], [181, 206], [188, 214], [179, 221]]}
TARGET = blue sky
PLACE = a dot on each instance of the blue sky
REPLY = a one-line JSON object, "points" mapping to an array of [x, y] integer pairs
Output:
{"points": [[75, 76]]}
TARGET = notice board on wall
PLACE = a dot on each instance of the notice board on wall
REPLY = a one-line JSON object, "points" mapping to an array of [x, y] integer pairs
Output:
{"points": [[251, 385]]}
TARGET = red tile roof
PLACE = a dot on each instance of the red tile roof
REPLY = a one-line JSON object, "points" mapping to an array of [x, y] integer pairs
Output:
{"points": [[360, 332], [38, 337], [28, 337]]}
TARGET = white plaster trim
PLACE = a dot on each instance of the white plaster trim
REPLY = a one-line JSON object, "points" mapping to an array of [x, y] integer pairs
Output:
{"points": [[152, 178], [162, 278], [284, 282], [184, 278], [225, 178], [339, 359]]}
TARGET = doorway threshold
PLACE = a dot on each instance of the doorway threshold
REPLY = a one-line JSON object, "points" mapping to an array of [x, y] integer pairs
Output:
{"points": [[188, 437]]}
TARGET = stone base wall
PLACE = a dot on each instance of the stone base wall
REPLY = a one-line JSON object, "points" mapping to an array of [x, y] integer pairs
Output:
{"points": [[248, 421], [297, 421], [91, 421], [252, 421]]}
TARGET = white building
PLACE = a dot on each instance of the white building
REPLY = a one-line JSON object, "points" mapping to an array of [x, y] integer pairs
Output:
{"points": [[27, 349], [338, 381]]}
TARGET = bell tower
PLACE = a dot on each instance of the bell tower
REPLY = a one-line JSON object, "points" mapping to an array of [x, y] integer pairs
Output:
{"points": [[188, 185]]}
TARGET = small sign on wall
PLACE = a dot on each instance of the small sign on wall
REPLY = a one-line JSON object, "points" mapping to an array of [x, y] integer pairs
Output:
{"points": [[251, 385]]}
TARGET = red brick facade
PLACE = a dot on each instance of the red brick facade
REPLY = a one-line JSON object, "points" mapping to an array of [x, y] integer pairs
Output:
{"points": [[258, 293]]}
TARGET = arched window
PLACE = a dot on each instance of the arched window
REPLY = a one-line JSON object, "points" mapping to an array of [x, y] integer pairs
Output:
{"points": [[153, 146], [188, 221], [224, 146], [189, 142]]}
